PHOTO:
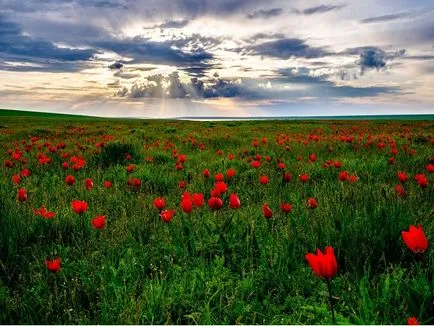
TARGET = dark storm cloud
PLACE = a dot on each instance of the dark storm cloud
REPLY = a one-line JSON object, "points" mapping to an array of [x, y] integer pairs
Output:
{"points": [[116, 65], [264, 36], [318, 9], [385, 18], [419, 57], [284, 49], [14, 46], [265, 13]]}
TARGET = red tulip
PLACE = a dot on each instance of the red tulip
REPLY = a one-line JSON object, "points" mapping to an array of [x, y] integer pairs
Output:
{"points": [[197, 199], [312, 203], [422, 180], [206, 173], [266, 211], [286, 207], [16, 179], [22, 195], [412, 321], [402, 177], [215, 203], [182, 158], [69, 180], [231, 173], [430, 168], [219, 177], [159, 203], [186, 204], [79, 206], [137, 183], [99, 222], [353, 178], [221, 186], [107, 184], [287, 177], [343, 176], [53, 265], [255, 164], [415, 239], [182, 184], [234, 201], [400, 190], [167, 215], [65, 165], [263, 179], [219, 152], [44, 213], [304, 177], [26, 173], [130, 168], [323, 265], [89, 183]]}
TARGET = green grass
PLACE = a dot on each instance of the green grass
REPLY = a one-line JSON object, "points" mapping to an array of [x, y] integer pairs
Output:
{"points": [[228, 266]]}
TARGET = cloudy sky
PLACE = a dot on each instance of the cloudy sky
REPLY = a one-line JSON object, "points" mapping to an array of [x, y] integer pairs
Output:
{"points": [[161, 58]]}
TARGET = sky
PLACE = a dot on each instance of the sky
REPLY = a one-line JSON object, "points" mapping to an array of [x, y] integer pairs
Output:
{"points": [[217, 58]]}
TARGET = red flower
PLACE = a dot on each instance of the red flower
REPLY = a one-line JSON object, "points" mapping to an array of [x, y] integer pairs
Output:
{"points": [[9, 164], [263, 180], [231, 173], [286, 207], [53, 265], [323, 265], [182, 158], [353, 178], [402, 177], [231, 156], [219, 177], [182, 184], [89, 183], [167, 215], [215, 203], [312, 203], [178, 167], [16, 179], [412, 321], [400, 190], [221, 186], [234, 201], [255, 164], [99, 222], [44, 213], [287, 177], [343, 176], [26, 173], [79, 206], [197, 199], [65, 165], [130, 168], [159, 203], [137, 183], [219, 152], [304, 177], [186, 203], [430, 168], [206, 173], [266, 211], [422, 180], [415, 239], [107, 184], [22, 195], [69, 180]]}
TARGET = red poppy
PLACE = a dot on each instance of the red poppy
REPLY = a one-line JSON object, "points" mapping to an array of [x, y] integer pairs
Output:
{"points": [[22, 195], [263, 179], [89, 183], [167, 215], [215, 203], [44, 213], [99, 222], [69, 180], [234, 201], [286, 207], [206, 173], [79, 206], [312, 203], [412, 321], [107, 184], [159, 203], [53, 265], [304, 177], [266, 211], [415, 239], [402, 176], [197, 199], [323, 265]]}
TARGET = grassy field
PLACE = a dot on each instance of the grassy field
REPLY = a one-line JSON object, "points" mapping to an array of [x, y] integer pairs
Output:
{"points": [[213, 266]]}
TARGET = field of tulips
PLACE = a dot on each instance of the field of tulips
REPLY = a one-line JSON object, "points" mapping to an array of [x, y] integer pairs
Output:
{"points": [[252, 222]]}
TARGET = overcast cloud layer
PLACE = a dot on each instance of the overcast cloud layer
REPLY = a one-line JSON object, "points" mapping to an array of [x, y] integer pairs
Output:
{"points": [[160, 58]]}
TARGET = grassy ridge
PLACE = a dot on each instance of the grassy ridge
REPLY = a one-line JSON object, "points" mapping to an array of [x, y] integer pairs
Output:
{"points": [[214, 267]]}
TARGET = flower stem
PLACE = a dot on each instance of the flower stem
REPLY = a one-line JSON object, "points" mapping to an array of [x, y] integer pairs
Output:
{"points": [[329, 286]]}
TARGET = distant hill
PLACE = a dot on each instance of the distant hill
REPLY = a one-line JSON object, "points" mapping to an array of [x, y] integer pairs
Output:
{"points": [[35, 114]]}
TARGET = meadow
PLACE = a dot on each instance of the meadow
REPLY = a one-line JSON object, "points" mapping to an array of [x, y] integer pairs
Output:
{"points": [[107, 221]]}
